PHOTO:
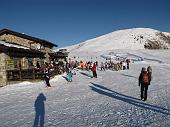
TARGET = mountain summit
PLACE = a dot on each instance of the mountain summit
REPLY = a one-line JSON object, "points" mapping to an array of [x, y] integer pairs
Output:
{"points": [[136, 38]]}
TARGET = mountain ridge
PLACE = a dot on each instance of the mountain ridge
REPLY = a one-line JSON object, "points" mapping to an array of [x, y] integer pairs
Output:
{"points": [[135, 38]]}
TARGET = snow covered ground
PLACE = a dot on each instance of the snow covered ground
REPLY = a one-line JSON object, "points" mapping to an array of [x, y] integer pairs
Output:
{"points": [[111, 100]]}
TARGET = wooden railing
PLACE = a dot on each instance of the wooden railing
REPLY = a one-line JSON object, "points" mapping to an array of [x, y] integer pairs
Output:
{"points": [[32, 74], [21, 74]]}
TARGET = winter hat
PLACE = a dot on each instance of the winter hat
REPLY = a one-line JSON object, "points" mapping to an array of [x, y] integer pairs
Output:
{"points": [[144, 69]]}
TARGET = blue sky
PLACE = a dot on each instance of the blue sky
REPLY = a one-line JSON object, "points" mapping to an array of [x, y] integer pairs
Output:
{"points": [[67, 22]]}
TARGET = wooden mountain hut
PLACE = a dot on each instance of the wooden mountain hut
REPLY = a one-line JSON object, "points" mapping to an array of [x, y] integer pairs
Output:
{"points": [[21, 54]]}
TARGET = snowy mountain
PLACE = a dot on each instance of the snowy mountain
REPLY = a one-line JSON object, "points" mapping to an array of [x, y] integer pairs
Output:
{"points": [[136, 38]]}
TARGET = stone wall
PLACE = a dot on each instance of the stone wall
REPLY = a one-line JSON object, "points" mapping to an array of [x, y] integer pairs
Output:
{"points": [[16, 40], [28, 43], [3, 77], [24, 42]]}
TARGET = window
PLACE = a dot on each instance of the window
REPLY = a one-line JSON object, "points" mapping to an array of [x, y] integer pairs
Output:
{"points": [[30, 62]]}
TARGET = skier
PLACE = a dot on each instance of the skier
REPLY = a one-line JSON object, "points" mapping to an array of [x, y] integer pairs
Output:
{"points": [[124, 65], [127, 63], [97, 65], [102, 66], [144, 83], [94, 70], [47, 77], [149, 70], [69, 76], [67, 67]]}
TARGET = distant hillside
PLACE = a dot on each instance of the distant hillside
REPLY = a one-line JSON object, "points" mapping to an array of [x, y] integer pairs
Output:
{"points": [[136, 38]]}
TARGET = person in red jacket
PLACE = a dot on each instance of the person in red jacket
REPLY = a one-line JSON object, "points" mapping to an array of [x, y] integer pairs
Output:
{"points": [[94, 70]]}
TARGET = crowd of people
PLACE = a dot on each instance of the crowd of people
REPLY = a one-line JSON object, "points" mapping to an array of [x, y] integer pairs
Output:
{"points": [[50, 69], [145, 76], [70, 66]]}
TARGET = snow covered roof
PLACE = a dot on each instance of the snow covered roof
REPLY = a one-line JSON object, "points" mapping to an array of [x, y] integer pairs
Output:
{"points": [[7, 31], [19, 51], [12, 45]]}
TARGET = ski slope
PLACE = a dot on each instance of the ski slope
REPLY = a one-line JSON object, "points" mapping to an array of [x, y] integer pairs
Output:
{"points": [[111, 100]]}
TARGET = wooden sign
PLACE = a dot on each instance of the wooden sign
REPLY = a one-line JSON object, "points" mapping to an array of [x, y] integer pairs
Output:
{"points": [[10, 61]]}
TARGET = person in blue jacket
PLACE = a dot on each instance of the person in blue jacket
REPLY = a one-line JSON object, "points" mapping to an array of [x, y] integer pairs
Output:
{"points": [[69, 76]]}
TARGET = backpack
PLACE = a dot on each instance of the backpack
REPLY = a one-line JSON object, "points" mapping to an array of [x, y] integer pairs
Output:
{"points": [[145, 78]]}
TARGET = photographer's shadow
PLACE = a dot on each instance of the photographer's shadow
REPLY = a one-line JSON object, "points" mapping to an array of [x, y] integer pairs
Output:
{"points": [[40, 110]]}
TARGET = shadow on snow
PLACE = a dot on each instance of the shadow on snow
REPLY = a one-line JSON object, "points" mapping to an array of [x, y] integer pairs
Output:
{"points": [[64, 77], [129, 76], [128, 99], [88, 75], [39, 110]]}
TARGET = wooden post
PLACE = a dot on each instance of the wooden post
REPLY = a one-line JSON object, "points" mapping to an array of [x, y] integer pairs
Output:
{"points": [[20, 77], [33, 74]]}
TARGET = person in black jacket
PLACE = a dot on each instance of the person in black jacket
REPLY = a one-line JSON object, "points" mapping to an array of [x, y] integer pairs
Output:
{"points": [[144, 83], [127, 63], [47, 77], [149, 70]]}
